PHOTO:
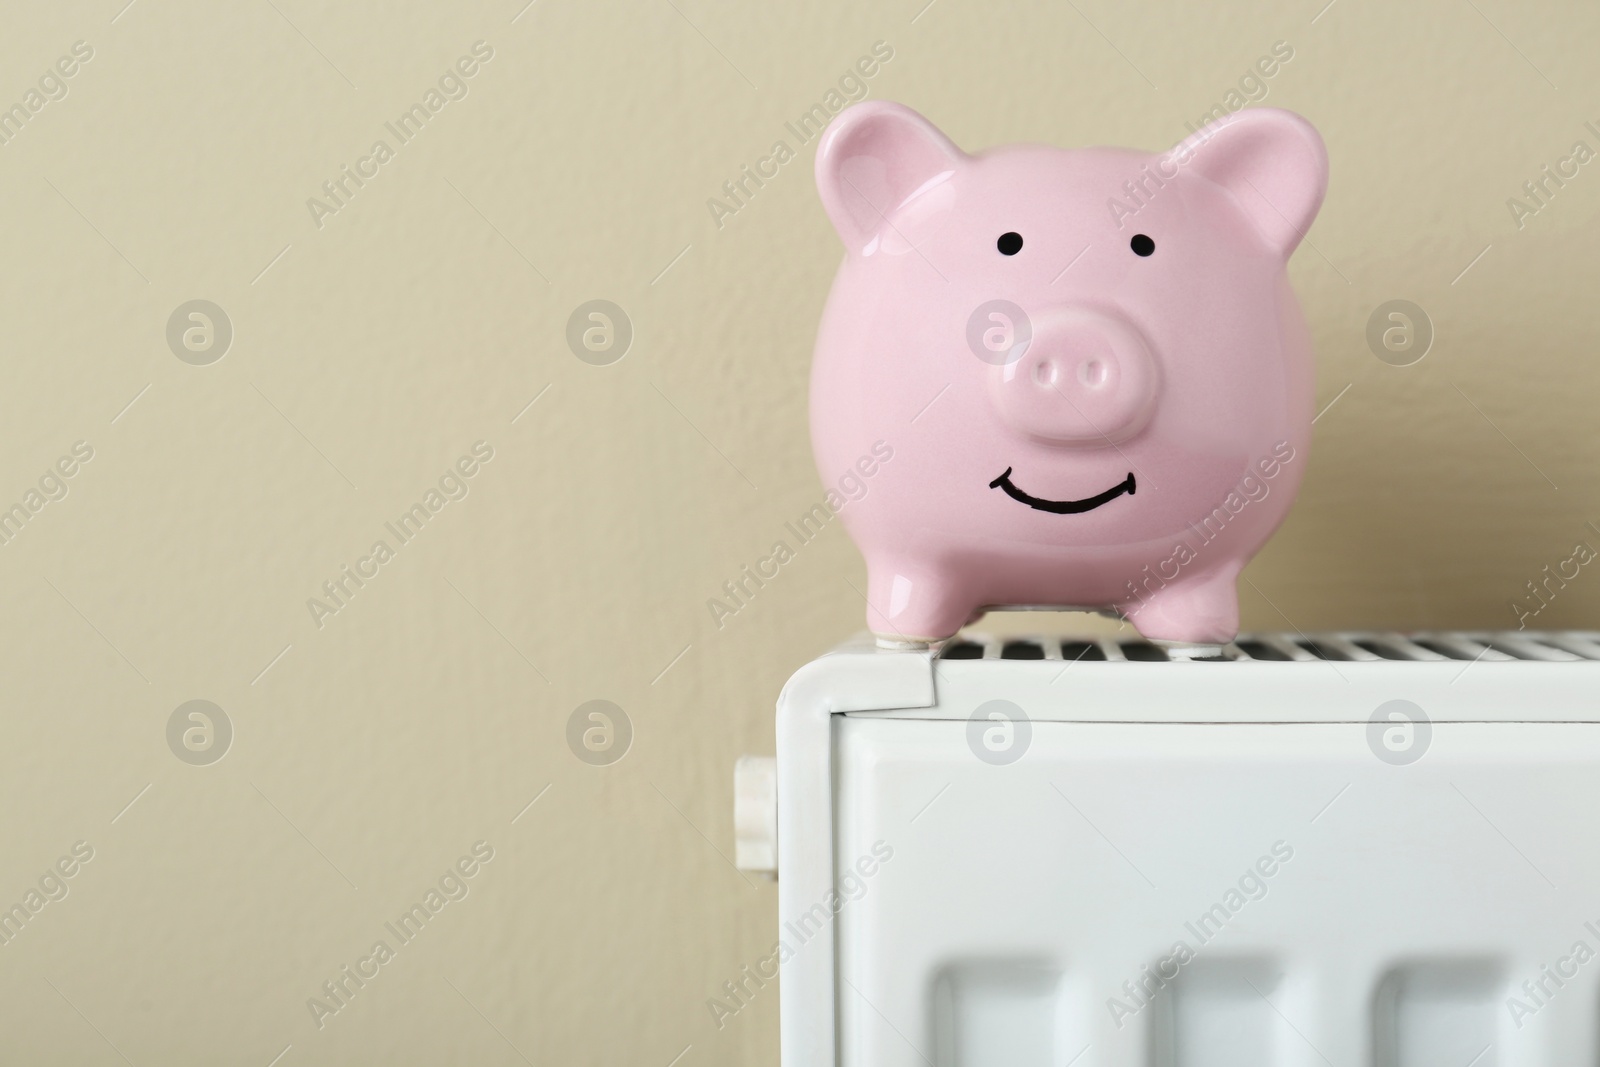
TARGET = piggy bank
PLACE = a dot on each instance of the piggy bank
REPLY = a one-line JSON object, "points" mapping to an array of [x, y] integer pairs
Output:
{"points": [[1077, 378]]}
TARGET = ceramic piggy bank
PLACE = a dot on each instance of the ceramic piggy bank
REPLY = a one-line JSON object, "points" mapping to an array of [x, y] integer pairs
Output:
{"points": [[1086, 368]]}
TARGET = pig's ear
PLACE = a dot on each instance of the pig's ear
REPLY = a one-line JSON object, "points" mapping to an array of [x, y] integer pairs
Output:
{"points": [[872, 159], [1272, 161]]}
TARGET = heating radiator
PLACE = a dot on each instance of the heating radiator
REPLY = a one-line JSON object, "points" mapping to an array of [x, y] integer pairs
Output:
{"points": [[1338, 850]]}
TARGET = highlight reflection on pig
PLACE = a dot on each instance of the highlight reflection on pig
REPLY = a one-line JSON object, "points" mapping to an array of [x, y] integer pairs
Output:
{"points": [[1091, 367]]}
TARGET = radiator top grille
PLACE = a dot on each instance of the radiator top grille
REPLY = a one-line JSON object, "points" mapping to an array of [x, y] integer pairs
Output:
{"points": [[1485, 646]]}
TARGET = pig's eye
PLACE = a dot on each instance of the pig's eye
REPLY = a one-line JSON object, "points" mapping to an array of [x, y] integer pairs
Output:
{"points": [[1141, 245], [1009, 244]]}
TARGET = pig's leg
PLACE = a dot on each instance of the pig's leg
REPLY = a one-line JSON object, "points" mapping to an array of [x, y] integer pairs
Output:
{"points": [[1200, 610], [911, 601]]}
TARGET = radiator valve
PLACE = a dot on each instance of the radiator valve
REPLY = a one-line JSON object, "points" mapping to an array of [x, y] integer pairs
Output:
{"points": [[755, 815]]}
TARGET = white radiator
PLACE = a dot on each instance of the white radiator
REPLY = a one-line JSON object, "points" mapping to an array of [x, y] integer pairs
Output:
{"points": [[1341, 850]]}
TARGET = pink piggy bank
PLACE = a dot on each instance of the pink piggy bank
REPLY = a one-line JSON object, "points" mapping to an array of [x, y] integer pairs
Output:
{"points": [[1087, 368]]}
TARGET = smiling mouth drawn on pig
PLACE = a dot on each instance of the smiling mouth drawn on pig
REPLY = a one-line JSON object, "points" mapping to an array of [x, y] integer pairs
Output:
{"points": [[1064, 507]]}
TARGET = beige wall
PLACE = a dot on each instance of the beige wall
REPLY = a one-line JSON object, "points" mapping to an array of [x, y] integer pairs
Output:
{"points": [[372, 751]]}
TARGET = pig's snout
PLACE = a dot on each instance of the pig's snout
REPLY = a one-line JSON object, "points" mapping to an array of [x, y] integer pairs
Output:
{"points": [[1085, 378]]}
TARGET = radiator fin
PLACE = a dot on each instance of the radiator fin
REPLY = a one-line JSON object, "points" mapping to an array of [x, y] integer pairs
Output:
{"points": [[1349, 647]]}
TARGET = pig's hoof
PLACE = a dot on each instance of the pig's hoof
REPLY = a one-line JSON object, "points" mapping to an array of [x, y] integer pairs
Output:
{"points": [[901, 644], [1186, 651]]}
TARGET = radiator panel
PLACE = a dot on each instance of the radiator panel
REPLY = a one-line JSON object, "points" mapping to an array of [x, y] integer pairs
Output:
{"points": [[1052, 895], [1361, 849]]}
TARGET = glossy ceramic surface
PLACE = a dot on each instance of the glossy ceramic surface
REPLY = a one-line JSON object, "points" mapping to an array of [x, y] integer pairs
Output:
{"points": [[1087, 368]]}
